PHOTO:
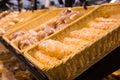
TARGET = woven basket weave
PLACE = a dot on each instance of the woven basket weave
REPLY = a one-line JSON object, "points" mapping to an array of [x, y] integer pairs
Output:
{"points": [[34, 24], [76, 63]]}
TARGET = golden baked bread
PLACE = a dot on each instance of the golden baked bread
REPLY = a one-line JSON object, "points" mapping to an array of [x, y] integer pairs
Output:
{"points": [[88, 34], [46, 60], [103, 23], [74, 42], [54, 49]]}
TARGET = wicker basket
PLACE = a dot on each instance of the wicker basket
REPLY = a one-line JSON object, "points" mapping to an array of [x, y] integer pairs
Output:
{"points": [[28, 16], [76, 63], [40, 20]]}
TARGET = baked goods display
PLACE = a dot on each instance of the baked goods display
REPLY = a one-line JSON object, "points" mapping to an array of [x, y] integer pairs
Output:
{"points": [[24, 39], [53, 51], [73, 49], [9, 20]]}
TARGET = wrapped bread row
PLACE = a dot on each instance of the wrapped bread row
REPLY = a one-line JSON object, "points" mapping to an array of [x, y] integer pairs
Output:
{"points": [[24, 39]]}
